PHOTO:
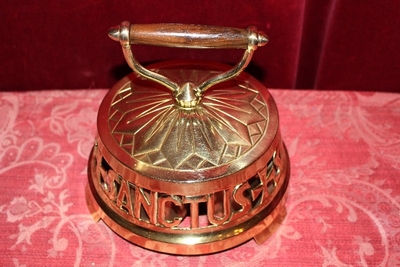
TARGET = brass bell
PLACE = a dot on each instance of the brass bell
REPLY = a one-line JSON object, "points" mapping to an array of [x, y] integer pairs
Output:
{"points": [[188, 158]]}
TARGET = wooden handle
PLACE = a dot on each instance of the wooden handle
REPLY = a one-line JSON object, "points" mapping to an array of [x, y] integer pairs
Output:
{"points": [[187, 95], [188, 36]]}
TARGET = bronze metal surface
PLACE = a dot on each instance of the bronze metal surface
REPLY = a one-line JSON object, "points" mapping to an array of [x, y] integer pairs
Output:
{"points": [[189, 158]]}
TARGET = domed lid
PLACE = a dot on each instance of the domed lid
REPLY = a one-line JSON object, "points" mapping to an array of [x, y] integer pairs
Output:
{"points": [[164, 123]]}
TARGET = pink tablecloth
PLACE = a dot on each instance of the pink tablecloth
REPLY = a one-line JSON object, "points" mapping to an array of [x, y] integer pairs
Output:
{"points": [[344, 193]]}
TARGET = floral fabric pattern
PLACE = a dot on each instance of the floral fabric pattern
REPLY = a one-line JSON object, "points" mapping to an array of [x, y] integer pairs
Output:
{"points": [[343, 206]]}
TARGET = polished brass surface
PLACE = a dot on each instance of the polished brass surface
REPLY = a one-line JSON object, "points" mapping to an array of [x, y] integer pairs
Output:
{"points": [[189, 158]]}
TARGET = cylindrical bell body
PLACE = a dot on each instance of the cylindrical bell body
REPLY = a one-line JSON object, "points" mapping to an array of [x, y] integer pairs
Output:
{"points": [[189, 180]]}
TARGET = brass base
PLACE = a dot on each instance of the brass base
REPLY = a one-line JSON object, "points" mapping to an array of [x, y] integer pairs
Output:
{"points": [[259, 226]]}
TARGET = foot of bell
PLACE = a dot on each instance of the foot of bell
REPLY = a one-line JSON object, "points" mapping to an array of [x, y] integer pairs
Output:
{"points": [[271, 223]]}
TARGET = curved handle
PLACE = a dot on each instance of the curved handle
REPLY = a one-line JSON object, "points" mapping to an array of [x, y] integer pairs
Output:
{"points": [[188, 36]]}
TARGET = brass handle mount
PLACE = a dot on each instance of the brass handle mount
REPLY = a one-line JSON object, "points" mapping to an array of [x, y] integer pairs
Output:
{"points": [[187, 36]]}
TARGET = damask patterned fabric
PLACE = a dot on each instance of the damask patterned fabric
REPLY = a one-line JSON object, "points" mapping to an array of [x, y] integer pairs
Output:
{"points": [[344, 193]]}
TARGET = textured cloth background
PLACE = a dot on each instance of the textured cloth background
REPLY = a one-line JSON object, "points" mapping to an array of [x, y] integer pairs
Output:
{"points": [[330, 44], [344, 193]]}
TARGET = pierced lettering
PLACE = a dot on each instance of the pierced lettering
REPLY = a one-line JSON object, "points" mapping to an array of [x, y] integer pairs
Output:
{"points": [[171, 211]]}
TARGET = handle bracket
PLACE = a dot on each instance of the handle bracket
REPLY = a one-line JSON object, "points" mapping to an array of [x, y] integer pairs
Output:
{"points": [[187, 95]]}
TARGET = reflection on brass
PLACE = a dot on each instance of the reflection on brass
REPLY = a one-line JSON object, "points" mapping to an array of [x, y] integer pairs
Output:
{"points": [[188, 157]]}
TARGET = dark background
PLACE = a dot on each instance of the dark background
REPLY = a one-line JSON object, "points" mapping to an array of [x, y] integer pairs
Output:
{"points": [[331, 44]]}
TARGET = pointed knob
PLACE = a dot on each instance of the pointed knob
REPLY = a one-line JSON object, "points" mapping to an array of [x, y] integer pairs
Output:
{"points": [[113, 33]]}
